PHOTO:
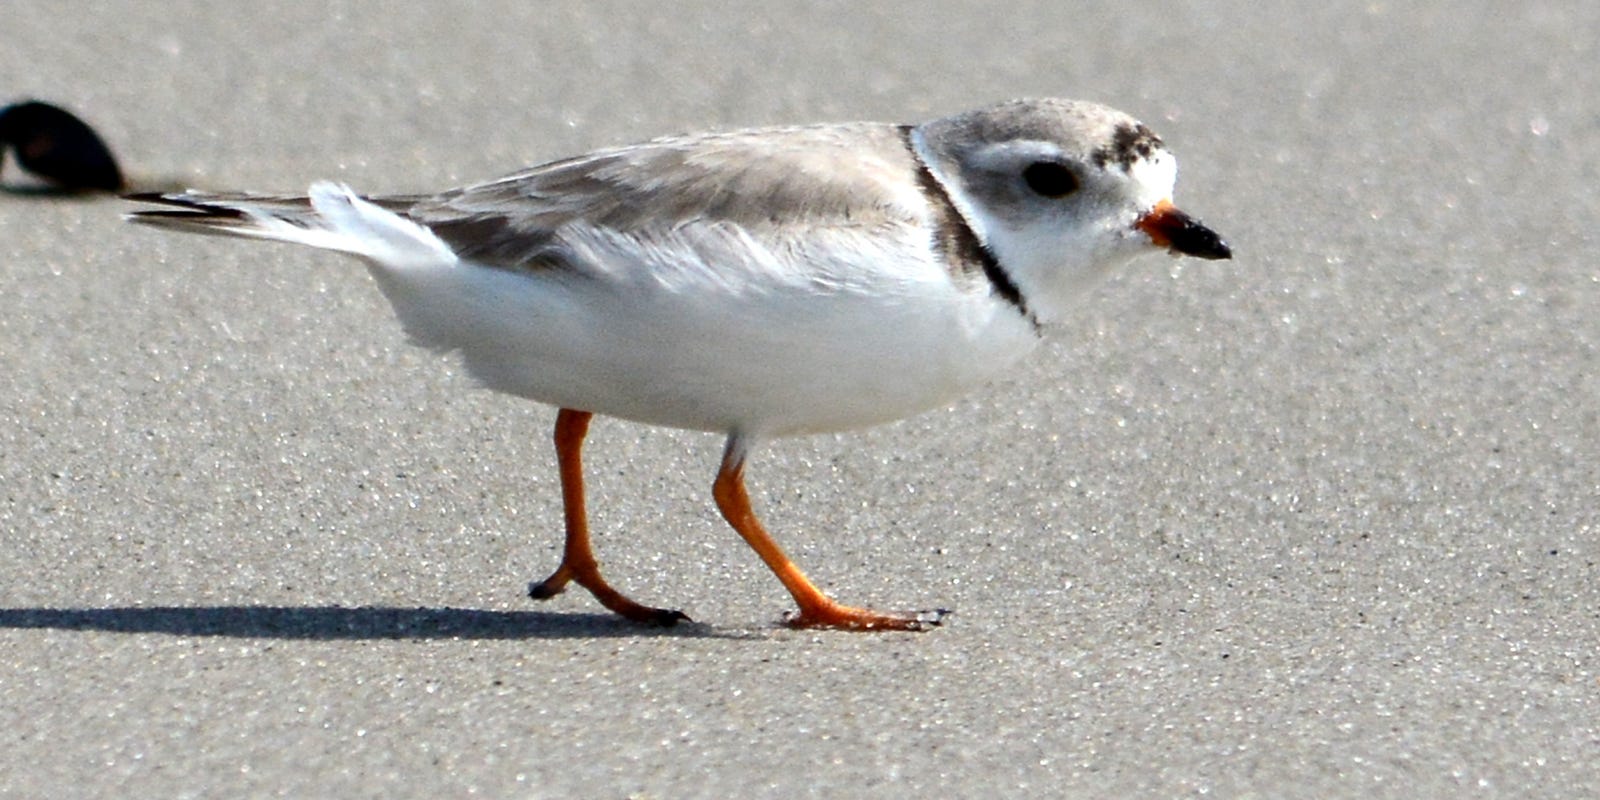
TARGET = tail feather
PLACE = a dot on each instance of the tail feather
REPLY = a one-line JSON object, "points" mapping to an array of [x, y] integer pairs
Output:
{"points": [[331, 217], [222, 214]]}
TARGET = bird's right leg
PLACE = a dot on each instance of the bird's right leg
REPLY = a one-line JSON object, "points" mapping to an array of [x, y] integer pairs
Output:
{"points": [[578, 562]]}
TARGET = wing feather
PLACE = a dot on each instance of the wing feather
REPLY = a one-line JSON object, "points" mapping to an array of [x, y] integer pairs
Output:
{"points": [[767, 183]]}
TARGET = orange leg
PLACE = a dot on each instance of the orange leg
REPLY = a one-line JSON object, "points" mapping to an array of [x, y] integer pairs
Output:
{"points": [[817, 610], [578, 562]]}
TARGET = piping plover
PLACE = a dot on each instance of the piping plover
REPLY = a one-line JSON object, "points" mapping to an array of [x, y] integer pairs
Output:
{"points": [[757, 283]]}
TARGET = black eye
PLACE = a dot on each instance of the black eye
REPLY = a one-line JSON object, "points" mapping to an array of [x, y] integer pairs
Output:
{"points": [[1049, 179]]}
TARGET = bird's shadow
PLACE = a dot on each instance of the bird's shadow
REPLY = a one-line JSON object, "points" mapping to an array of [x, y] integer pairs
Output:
{"points": [[45, 191], [331, 623], [40, 190]]}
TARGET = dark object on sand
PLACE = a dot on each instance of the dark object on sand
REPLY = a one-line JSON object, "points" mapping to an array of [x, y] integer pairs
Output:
{"points": [[57, 147]]}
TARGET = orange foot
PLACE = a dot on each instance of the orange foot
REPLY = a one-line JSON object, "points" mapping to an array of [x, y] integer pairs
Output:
{"points": [[612, 599], [837, 615]]}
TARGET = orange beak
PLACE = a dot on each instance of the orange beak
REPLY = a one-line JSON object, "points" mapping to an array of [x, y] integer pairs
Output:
{"points": [[1170, 228]]}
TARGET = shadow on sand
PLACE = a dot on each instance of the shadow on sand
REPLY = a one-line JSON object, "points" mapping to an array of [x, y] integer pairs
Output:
{"points": [[334, 623]]}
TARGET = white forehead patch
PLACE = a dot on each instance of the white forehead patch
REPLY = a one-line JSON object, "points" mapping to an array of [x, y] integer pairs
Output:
{"points": [[1154, 177]]}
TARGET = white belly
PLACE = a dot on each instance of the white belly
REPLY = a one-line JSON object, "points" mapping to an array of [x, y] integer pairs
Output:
{"points": [[762, 350]]}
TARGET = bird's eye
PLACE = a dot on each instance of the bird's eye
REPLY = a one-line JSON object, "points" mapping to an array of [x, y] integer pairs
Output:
{"points": [[1049, 179]]}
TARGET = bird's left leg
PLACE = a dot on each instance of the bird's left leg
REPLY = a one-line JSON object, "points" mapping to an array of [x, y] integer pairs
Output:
{"points": [[817, 610]]}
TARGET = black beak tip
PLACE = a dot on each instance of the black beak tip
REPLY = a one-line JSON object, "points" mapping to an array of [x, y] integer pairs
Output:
{"points": [[1182, 234], [1218, 251], [1195, 239]]}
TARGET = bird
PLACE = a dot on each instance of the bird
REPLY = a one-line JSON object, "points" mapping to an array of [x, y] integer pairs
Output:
{"points": [[756, 283]]}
